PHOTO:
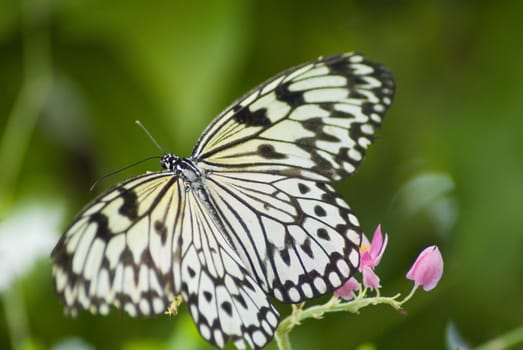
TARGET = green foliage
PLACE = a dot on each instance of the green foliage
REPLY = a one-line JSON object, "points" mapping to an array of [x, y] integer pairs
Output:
{"points": [[75, 75]]}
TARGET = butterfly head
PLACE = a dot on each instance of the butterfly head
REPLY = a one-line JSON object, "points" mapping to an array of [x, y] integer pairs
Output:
{"points": [[169, 161]]}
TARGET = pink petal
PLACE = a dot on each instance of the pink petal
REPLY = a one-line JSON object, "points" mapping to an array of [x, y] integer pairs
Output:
{"points": [[377, 242], [427, 269], [366, 260], [370, 279], [377, 251], [373, 256], [346, 291]]}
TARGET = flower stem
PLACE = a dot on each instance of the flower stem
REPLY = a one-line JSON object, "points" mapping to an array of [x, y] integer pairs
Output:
{"points": [[335, 304], [282, 340], [407, 298]]}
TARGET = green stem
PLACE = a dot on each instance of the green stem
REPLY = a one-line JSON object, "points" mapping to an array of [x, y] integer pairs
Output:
{"points": [[505, 341], [282, 340], [412, 291], [300, 314]]}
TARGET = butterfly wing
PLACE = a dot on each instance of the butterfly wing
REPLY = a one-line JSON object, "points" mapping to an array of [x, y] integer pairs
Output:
{"points": [[223, 299], [270, 158], [119, 250], [297, 236], [315, 120], [148, 240]]}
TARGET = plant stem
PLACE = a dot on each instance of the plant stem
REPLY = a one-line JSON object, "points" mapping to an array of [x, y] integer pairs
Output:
{"points": [[407, 298], [282, 340], [335, 304]]}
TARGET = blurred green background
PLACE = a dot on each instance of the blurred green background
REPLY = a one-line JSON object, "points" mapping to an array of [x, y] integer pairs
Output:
{"points": [[446, 169]]}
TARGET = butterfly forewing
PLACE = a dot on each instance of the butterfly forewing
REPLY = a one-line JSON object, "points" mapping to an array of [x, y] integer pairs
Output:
{"points": [[250, 214], [318, 117], [117, 253], [148, 240]]}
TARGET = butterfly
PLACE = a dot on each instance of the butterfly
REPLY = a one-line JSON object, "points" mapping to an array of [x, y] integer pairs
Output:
{"points": [[250, 215]]}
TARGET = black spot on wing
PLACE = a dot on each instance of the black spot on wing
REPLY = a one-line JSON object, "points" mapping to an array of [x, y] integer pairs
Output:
{"points": [[306, 143], [285, 257], [191, 272], [292, 98], [316, 125], [313, 124], [306, 247], [289, 240], [343, 155], [337, 64], [303, 188], [243, 115], [341, 228], [60, 256], [246, 283], [227, 307], [322, 165], [328, 197], [356, 132], [323, 234], [129, 207], [102, 226], [318, 210], [161, 230], [241, 300], [267, 151], [126, 257]]}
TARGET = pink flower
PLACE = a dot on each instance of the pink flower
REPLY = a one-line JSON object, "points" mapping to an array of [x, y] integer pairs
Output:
{"points": [[370, 279], [427, 269], [370, 256], [371, 253], [346, 291]]}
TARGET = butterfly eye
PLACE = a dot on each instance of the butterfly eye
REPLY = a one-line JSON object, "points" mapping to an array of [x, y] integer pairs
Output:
{"points": [[169, 161]]}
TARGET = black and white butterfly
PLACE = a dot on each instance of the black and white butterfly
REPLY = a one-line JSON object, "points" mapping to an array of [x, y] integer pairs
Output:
{"points": [[251, 214]]}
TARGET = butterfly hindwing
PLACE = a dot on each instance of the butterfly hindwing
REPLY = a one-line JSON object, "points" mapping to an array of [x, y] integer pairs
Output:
{"points": [[313, 120], [223, 299], [297, 236]]}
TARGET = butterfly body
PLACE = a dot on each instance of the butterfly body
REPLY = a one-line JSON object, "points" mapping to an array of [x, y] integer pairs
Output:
{"points": [[251, 214]]}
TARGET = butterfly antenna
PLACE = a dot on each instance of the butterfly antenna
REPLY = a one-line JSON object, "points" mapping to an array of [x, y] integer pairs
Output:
{"points": [[150, 136], [120, 170]]}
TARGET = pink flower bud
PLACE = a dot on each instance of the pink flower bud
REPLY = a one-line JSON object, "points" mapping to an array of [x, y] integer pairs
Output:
{"points": [[346, 291], [427, 269], [370, 279]]}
